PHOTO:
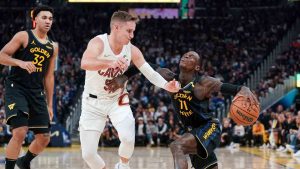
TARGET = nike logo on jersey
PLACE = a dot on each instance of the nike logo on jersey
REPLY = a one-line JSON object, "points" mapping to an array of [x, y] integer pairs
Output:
{"points": [[125, 57], [106, 56], [11, 106]]}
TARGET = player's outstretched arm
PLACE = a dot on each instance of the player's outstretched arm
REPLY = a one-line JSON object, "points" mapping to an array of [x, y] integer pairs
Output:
{"points": [[90, 61], [119, 82], [153, 76], [20, 40], [209, 85]]}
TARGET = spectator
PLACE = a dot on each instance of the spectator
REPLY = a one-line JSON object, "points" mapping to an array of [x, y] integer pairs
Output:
{"points": [[258, 131]]}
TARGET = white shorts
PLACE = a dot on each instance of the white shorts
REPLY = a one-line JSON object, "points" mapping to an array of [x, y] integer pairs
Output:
{"points": [[96, 110]]}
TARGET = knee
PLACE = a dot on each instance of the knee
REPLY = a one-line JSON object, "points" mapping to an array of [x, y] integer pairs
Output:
{"points": [[88, 155], [43, 139], [176, 146], [19, 134]]}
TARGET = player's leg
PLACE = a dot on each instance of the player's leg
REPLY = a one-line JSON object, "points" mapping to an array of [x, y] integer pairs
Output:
{"points": [[91, 124], [18, 135], [186, 144], [39, 143], [39, 123], [89, 140], [15, 108], [210, 162], [201, 142], [124, 123]]}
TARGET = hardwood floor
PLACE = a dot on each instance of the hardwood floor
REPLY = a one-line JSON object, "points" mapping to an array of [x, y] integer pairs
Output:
{"points": [[161, 158]]}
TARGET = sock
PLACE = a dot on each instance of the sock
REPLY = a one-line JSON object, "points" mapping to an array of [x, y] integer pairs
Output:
{"points": [[10, 163], [28, 157]]}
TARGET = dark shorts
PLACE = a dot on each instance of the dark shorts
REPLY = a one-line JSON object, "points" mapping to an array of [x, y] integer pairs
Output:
{"points": [[200, 163], [26, 107], [208, 138]]}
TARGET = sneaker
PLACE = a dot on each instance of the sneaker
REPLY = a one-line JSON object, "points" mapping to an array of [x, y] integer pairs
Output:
{"points": [[264, 146], [284, 150], [20, 163], [290, 148], [297, 154], [122, 166], [280, 149]]}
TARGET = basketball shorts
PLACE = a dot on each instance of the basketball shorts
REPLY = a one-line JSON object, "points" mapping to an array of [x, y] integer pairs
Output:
{"points": [[200, 163], [208, 139], [26, 107], [97, 109]]}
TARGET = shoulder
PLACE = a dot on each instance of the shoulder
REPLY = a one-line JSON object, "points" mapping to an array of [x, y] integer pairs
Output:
{"points": [[96, 44], [22, 33], [21, 36], [96, 41], [20, 39], [208, 80], [55, 46], [135, 50]]}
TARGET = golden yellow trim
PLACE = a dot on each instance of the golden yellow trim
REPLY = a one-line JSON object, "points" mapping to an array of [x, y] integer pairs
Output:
{"points": [[211, 164], [36, 38], [36, 127], [203, 147], [11, 116], [16, 115]]}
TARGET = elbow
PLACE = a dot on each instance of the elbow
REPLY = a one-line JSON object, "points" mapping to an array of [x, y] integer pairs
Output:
{"points": [[83, 65]]}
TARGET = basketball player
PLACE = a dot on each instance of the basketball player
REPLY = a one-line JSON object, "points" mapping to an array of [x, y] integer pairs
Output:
{"points": [[31, 55], [191, 105], [106, 57]]}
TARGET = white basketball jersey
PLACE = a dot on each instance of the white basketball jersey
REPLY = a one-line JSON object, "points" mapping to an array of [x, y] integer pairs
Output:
{"points": [[95, 80]]}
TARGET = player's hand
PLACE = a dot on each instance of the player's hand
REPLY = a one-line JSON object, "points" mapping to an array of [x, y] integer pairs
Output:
{"points": [[245, 91], [121, 63], [50, 111], [27, 65], [172, 86], [116, 83]]}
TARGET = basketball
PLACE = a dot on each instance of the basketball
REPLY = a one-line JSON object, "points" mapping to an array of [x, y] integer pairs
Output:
{"points": [[243, 112]]}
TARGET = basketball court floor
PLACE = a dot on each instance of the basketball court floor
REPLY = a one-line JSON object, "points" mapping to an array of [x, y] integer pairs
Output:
{"points": [[161, 158]]}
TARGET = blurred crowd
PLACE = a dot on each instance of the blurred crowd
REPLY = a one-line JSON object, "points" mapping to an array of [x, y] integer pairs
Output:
{"points": [[232, 48], [286, 65], [277, 128]]}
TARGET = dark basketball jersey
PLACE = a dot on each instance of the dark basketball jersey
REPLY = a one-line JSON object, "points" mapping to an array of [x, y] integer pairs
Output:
{"points": [[191, 111], [40, 55]]}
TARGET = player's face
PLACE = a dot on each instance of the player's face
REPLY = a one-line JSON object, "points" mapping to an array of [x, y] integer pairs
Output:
{"points": [[44, 21], [126, 32], [190, 61]]}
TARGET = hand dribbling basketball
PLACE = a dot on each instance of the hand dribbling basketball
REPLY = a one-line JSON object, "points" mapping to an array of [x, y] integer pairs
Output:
{"points": [[245, 107]]}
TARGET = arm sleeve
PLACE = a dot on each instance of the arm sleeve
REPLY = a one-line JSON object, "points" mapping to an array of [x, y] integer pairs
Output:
{"points": [[133, 70], [154, 77], [229, 89]]}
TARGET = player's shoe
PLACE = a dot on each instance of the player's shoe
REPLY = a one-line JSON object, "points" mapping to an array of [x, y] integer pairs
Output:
{"points": [[122, 166], [20, 163]]}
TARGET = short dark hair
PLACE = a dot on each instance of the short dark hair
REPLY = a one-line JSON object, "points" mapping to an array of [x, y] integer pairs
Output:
{"points": [[123, 16], [40, 8]]}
